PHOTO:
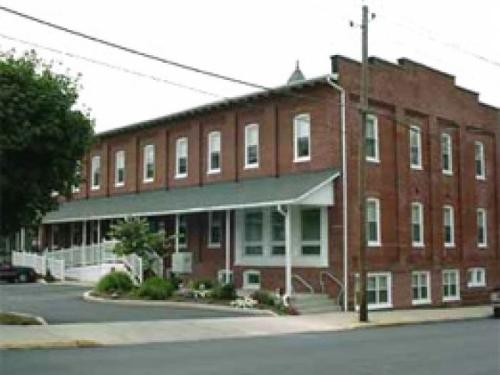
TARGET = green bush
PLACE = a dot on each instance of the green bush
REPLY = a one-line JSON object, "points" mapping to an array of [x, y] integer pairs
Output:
{"points": [[156, 288], [224, 292], [264, 298], [114, 282], [175, 280]]}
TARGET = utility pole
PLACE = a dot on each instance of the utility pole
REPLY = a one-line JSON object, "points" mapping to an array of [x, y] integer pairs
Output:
{"points": [[363, 305]]}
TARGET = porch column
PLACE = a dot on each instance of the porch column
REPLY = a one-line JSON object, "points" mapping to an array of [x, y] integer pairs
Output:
{"points": [[228, 246], [23, 239], [176, 233], [288, 251]]}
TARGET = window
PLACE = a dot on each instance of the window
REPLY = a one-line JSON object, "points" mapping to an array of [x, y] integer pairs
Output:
{"points": [[451, 285], [415, 147], [476, 277], [446, 154], [215, 228], [222, 277], [78, 174], [479, 159], [482, 228], [277, 233], [96, 172], [252, 146], [149, 163], [371, 140], [302, 137], [251, 279], [417, 224], [214, 158], [378, 289], [373, 222], [183, 230], [254, 232], [448, 226], [310, 220], [181, 158], [120, 168], [420, 286]]}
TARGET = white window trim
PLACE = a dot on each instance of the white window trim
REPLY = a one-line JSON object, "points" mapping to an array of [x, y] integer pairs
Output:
{"points": [[177, 157], [178, 218], [457, 296], [375, 306], [378, 242], [446, 207], [145, 153], [309, 242], [296, 122], [482, 175], [419, 144], [119, 183], [420, 206], [427, 300], [75, 189], [95, 159], [213, 245], [211, 170], [251, 286], [449, 151], [474, 283], [221, 276], [375, 159], [483, 244], [247, 130]]}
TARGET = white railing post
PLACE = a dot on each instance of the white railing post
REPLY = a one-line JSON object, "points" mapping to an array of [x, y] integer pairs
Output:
{"points": [[227, 277]]}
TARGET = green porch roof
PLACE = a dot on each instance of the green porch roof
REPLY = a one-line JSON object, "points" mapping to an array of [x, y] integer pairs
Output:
{"points": [[257, 192]]}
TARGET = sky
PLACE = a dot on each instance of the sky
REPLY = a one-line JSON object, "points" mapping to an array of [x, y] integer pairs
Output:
{"points": [[257, 41]]}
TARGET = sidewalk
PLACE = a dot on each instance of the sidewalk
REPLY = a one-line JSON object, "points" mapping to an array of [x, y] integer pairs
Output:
{"points": [[122, 333]]}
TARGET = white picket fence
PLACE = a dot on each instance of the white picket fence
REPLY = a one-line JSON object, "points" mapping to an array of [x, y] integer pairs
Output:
{"points": [[35, 261], [56, 268]]}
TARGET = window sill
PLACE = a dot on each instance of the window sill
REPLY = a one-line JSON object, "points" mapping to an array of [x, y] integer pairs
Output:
{"points": [[447, 173], [95, 188], [213, 171], [480, 178], [417, 167], [419, 302], [303, 159], [476, 286], [373, 160], [251, 166], [482, 246], [373, 244], [449, 246], [119, 185], [180, 176], [451, 299], [147, 181], [418, 245]]}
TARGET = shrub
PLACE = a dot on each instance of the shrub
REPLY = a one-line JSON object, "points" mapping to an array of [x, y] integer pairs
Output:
{"points": [[156, 288], [263, 298], [175, 281], [224, 292], [202, 284], [114, 282]]}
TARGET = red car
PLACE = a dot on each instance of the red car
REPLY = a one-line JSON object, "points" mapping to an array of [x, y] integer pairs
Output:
{"points": [[12, 274]]}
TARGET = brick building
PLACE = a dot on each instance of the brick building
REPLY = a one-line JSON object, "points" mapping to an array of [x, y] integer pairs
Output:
{"points": [[255, 187]]}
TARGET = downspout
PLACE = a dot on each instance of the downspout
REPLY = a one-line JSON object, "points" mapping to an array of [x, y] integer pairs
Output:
{"points": [[340, 89]]}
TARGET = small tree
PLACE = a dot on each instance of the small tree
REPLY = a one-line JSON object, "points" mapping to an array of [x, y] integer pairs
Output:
{"points": [[135, 237]]}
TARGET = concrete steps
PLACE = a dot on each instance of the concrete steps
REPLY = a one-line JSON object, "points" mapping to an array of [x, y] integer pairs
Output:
{"points": [[314, 304]]}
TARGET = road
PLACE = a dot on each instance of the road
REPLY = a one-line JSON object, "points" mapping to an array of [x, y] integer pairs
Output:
{"points": [[64, 304], [459, 348]]}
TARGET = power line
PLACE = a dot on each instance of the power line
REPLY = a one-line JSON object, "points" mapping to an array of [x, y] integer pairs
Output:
{"points": [[132, 50]]}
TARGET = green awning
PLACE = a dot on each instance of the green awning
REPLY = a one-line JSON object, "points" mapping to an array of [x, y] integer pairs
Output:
{"points": [[257, 192]]}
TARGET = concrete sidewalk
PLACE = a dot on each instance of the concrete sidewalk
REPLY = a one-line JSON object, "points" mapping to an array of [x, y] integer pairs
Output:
{"points": [[122, 333]]}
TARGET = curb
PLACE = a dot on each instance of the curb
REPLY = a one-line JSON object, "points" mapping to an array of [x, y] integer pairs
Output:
{"points": [[191, 305], [39, 319], [50, 344]]}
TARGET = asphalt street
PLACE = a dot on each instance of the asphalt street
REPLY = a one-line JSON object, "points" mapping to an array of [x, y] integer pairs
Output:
{"points": [[459, 348], [64, 304]]}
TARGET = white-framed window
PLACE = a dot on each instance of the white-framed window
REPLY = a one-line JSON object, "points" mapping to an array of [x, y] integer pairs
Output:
{"points": [[252, 146], [310, 228], [378, 290], [373, 222], [448, 226], [371, 139], [476, 277], [96, 172], [148, 170], [482, 228], [415, 147], [446, 154], [420, 287], [183, 231], [222, 278], [254, 233], [214, 152], [251, 279], [451, 285], [480, 163], [120, 168], [417, 224], [302, 137], [181, 157], [215, 220], [277, 233], [78, 174]]}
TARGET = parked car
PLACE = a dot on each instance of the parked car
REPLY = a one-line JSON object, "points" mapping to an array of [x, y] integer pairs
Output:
{"points": [[495, 301], [11, 273]]}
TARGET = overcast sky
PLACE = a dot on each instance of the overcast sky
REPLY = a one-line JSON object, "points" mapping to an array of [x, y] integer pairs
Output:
{"points": [[257, 41]]}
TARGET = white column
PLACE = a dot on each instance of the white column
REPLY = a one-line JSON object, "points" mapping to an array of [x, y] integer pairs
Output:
{"points": [[177, 233], [228, 246], [23, 239], [288, 251]]}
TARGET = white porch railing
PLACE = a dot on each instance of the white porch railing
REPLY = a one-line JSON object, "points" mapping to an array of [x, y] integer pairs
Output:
{"points": [[35, 261]]}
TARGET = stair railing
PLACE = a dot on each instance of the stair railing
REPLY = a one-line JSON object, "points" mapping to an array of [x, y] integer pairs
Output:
{"points": [[303, 282], [335, 280]]}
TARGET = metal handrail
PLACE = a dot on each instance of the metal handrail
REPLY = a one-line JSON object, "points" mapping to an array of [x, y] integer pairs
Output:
{"points": [[322, 284], [303, 282]]}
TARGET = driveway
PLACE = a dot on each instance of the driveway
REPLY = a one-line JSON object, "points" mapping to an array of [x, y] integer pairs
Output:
{"points": [[64, 304]]}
